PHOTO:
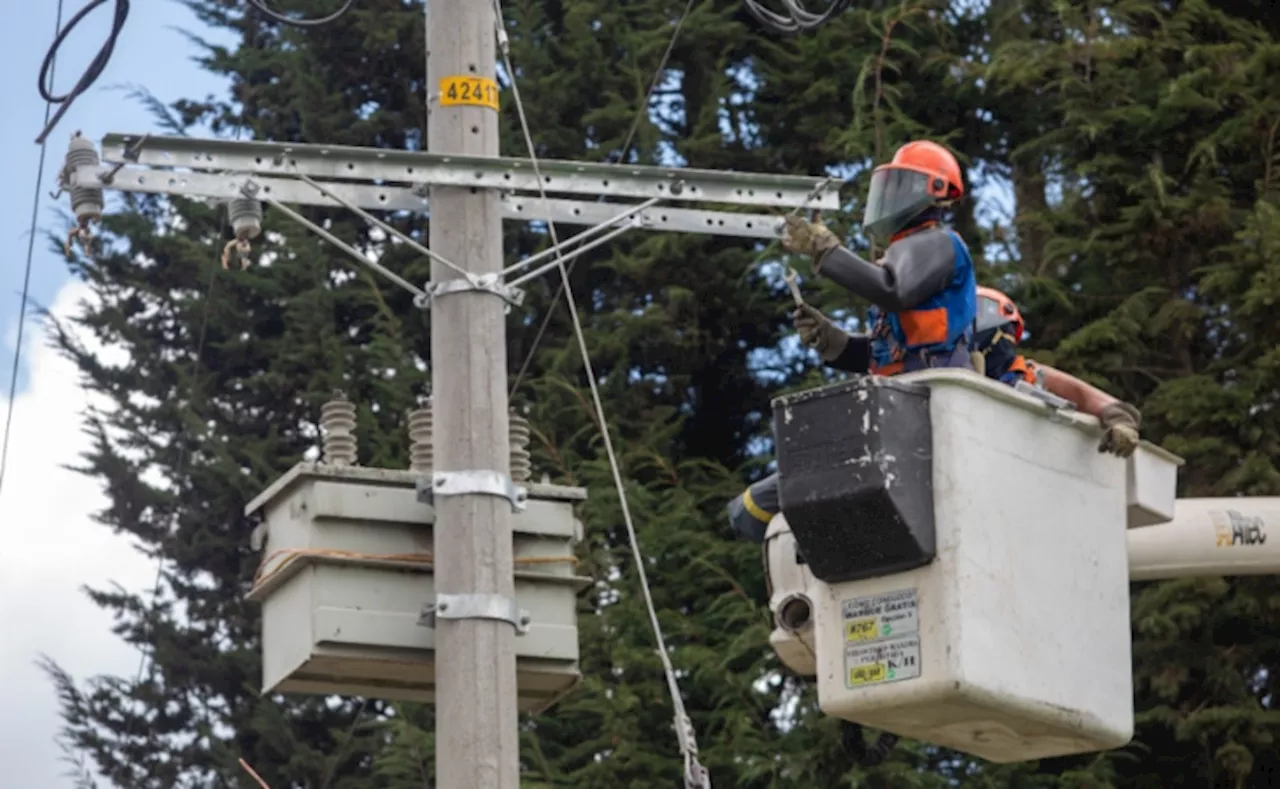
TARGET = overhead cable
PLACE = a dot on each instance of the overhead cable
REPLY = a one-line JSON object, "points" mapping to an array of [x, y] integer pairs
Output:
{"points": [[276, 16], [797, 18], [26, 279], [641, 113], [94, 70], [695, 775]]}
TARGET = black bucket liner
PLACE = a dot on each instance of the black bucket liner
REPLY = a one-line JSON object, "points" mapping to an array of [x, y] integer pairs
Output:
{"points": [[855, 466]]}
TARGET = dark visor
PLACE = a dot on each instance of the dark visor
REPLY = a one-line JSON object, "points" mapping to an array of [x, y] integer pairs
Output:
{"points": [[895, 198], [989, 315]]}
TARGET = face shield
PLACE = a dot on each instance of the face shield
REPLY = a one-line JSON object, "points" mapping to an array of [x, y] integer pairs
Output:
{"points": [[993, 326], [895, 198], [990, 316]]}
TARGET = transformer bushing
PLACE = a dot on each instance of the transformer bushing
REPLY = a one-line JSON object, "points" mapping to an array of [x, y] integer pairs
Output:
{"points": [[337, 428], [422, 452], [521, 461], [420, 447]]}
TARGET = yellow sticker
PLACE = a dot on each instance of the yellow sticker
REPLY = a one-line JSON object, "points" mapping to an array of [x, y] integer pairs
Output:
{"points": [[860, 629], [469, 91], [866, 674]]}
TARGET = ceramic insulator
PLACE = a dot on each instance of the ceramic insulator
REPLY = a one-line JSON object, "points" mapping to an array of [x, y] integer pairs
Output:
{"points": [[421, 455], [521, 461], [245, 215], [86, 201], [337, 426]]}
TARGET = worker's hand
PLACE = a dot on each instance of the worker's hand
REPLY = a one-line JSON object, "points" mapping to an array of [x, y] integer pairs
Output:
{"points": [[808, 238], [1120, 421], [819, 333]]}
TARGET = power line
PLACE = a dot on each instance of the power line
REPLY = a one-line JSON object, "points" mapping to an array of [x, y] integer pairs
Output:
{"points": [[622, 155], [276, 16], [92, 72], [695, 775], [797, 19], [50, 63]]}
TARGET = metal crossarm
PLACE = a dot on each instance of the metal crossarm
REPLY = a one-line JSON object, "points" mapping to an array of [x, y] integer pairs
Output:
{"points": [[228, 186], [413, 167]]}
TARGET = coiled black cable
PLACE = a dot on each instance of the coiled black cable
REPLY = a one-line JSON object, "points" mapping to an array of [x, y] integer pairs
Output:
{"points": [[91, 74], [276, 16], [797, 19]]}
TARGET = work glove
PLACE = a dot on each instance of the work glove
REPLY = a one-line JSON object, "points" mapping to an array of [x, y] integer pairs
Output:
{"points": [[819, 333], [808, 238], [1120, 421]]}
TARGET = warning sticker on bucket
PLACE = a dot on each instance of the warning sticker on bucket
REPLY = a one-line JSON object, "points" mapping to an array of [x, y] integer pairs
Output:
{"points": [[891, 660], [881, 616]]}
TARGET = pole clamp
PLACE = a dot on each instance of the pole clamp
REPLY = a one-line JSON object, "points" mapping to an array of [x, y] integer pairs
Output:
{"points": [[472, 482], [475, 606], [472, 283]]}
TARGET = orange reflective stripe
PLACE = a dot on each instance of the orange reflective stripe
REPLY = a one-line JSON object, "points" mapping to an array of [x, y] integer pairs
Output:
{"points": [[924, 327], [888, 369], [1026, 369]]}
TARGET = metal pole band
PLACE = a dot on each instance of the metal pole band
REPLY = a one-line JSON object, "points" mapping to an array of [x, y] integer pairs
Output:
{"points": [[475, 483], [485, 283], [475, 606]]}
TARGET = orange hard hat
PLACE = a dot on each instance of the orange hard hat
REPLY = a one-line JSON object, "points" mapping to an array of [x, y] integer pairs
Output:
{"points": [[995, 310], [922, 174], [935, 161]]}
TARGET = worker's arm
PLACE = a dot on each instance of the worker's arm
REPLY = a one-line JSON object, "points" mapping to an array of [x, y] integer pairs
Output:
{"points": [[1120, 421], [751, 511], [913, 269], [850, 353], [1087, 399]]}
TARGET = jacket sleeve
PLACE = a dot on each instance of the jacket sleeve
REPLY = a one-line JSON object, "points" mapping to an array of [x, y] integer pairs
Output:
{"points": [[751, 511], [856, 356], [914, 269]]}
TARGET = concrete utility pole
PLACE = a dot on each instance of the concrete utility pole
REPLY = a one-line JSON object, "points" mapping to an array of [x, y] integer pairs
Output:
{"points": [[477, 743]]}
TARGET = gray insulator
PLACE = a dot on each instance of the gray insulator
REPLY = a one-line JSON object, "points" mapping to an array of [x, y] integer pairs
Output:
{"points": [[421, 456], [246, 217], [86, 201], [337, 426], [521, 460]]}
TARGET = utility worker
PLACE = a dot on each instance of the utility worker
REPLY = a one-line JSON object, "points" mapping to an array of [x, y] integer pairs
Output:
{"points": [[998, 331], [923, 292]]}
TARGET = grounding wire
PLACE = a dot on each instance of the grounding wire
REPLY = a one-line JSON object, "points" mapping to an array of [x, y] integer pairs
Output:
{"points": [[26, 275], [622, 155], [261, 7], [94, 70], [695, 773]]}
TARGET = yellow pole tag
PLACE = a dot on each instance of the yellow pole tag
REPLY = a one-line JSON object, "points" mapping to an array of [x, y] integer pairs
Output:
{"points": [[469, 91]]}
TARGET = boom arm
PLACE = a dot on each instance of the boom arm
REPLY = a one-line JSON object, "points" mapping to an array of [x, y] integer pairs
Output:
{"points": [[1208, 537]]}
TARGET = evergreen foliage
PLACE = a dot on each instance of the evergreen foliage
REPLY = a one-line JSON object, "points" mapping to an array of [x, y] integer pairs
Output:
{"points": [[1139, 140]]}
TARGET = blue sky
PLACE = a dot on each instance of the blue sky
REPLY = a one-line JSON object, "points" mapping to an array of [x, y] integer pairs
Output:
{"points": [[150, 53]]}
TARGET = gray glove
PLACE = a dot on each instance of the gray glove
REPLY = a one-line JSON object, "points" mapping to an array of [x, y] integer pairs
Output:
{"points": [[818, 332], [1120, 421]]}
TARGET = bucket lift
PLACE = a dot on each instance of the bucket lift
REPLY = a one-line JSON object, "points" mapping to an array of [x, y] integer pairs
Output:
{"points": [[953, 558]]}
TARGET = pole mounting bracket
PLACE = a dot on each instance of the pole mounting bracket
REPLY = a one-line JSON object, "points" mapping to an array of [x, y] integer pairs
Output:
{"points": [[475, 283], [472, 482], [475, 606]]}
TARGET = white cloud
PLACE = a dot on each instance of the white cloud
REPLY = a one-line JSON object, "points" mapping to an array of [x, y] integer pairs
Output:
{"points": [[51, 548]]}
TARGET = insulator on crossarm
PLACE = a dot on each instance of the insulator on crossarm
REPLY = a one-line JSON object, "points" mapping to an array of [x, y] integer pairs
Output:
{"points": [[521, 460], [245, 215], [421, 454], [86, 201], [337, 428]]}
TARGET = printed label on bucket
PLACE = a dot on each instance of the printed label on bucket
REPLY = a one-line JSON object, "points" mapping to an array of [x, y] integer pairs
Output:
{"points": [[891, 660]]}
